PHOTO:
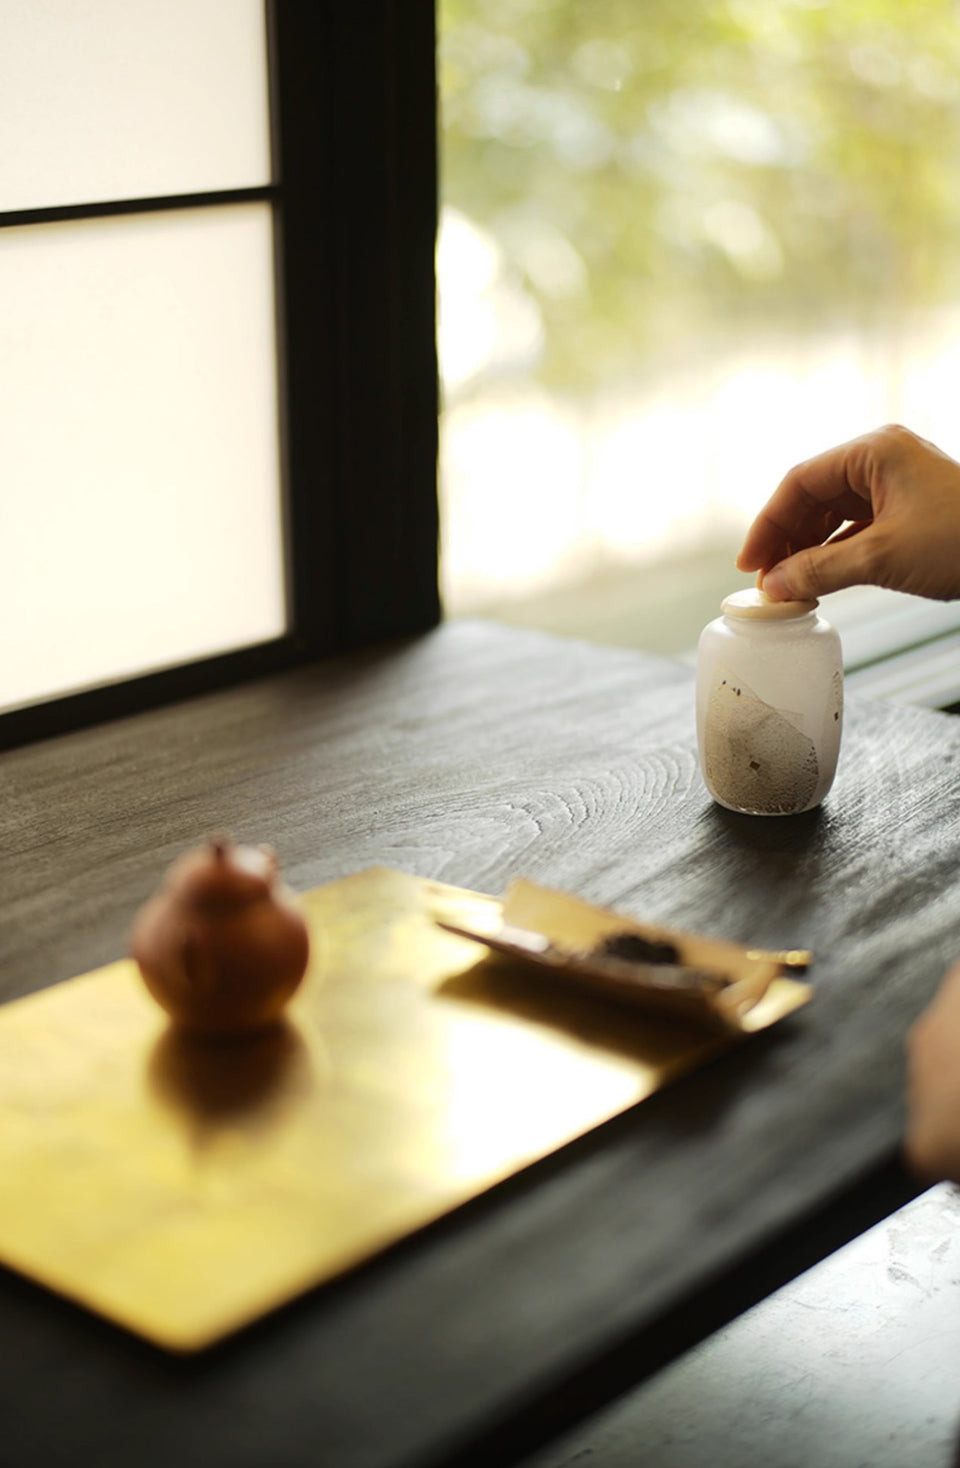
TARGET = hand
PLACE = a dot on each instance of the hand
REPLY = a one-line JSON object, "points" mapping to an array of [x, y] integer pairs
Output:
{"points": [[898, 499], [932, 1143]]}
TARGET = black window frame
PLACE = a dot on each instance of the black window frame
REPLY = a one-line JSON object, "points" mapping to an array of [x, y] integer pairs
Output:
{"points": [[353, 106]]}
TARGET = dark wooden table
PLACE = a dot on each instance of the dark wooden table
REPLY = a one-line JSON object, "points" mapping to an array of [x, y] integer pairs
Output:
{"points": [[474, 755]]}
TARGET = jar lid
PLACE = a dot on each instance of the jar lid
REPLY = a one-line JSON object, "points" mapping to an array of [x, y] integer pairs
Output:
{"points": [[754, 603]]}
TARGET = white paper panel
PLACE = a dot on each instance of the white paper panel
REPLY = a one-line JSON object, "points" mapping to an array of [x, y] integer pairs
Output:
{"points": [[114, 99], [139, 481]]}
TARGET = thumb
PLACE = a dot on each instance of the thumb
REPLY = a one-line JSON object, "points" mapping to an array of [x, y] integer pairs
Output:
{"points": [[821, 568]]}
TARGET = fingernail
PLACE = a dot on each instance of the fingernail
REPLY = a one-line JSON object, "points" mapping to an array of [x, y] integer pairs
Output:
{"points": [[775, 585]]}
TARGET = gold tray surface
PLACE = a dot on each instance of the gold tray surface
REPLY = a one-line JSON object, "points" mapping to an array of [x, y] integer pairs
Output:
{"points": [[183, 1189]]}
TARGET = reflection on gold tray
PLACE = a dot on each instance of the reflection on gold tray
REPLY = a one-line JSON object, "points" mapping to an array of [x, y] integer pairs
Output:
{"points": [[183, 1189]]}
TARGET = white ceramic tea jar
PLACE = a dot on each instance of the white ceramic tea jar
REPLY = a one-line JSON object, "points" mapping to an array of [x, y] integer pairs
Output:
{"points": [[769, 705]]}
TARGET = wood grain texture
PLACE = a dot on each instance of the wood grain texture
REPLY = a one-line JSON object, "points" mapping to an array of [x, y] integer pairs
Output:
{"points": [[474, 755]]}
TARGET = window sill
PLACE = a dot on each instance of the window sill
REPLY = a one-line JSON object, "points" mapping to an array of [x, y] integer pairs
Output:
{"points": [[903, 649]]}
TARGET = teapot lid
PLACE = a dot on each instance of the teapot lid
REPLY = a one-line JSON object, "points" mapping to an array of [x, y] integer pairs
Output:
{"points": [[222, 872]]}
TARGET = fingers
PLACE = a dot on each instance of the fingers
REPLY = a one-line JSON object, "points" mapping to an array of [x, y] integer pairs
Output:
{"points": [[932, 1137], [768, 541], [925, 1152], [849, 560], [854, 527], [809, 504]]}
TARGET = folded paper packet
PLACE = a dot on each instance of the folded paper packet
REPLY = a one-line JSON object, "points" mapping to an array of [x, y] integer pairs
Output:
{"points": [[703, 980]]}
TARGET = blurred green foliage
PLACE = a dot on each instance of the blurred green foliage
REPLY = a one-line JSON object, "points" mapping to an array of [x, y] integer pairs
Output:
{"points": [[660, 175]]}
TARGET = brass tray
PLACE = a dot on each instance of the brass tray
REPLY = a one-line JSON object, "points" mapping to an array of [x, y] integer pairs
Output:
{"points": [[183, 1189]]}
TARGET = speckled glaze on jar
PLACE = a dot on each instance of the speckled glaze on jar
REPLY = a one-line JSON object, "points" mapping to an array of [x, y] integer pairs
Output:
{"points": [[769, 705]]}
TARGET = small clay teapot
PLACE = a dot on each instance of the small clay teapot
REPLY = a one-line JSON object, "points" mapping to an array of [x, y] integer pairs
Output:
{"points": [[221, 946]]}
